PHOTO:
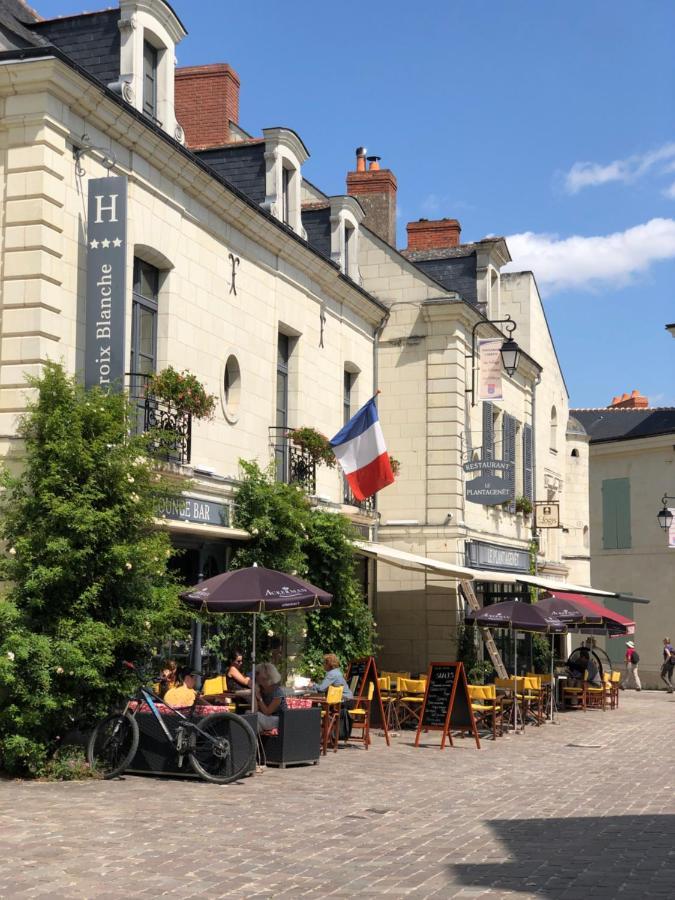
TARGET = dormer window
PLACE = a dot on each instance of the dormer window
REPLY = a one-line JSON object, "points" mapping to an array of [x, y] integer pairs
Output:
{"points": [[284, 155], [149, 80], [150, 31], [346, 214]]}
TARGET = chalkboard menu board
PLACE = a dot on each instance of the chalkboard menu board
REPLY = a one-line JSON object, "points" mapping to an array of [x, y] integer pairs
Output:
{"points": [[446, 704], [365, 672]]}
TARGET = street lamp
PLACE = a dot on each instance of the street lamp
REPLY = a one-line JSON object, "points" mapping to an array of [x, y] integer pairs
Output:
{"points": [[664, 515], [510, 351]]}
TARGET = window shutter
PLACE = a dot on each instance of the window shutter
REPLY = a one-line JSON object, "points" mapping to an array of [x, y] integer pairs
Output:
{"points": [[488, 431], [528, 479], [509, 454], [616, 534]]}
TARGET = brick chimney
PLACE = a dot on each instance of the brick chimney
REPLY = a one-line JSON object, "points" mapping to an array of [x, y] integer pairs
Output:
{"points": [[438, 234], [634, 400], [375, 189], [207, 100]]}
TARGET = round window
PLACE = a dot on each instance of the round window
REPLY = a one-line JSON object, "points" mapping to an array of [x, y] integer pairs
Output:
{"points": [[231, 389]]}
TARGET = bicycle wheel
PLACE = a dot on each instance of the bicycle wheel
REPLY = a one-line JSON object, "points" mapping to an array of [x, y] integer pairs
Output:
{"points": [[113, 744], [222, 748]]}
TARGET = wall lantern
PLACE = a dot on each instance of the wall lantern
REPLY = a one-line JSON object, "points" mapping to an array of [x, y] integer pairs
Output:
{"points": [[664, 515], [510, 351]]}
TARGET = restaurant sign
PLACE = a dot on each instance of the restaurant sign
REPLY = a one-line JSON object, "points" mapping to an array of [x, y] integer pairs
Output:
{"points": [[546, 515], [195, 509], [489, 490], [106, 269], [482, 555], [488, 465]]}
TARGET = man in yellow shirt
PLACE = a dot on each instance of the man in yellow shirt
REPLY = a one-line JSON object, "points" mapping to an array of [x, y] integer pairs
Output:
{"points": [[186, 692]]}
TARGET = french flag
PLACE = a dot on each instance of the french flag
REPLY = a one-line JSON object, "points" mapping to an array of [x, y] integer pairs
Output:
{"points": [[360, 449]]}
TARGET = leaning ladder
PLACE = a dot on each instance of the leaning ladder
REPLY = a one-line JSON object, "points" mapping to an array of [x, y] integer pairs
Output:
{"points": [[470, 597]]}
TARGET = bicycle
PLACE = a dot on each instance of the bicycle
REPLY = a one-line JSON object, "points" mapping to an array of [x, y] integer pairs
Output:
{"points": [[221, 748]]}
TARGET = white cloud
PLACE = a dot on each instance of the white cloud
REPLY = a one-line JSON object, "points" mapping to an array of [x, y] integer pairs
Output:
{"points": [[592, 262], [591, 174]]}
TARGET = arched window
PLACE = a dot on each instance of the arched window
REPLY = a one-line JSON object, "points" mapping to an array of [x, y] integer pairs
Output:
{"points": [[554, 430], [575, 453]]}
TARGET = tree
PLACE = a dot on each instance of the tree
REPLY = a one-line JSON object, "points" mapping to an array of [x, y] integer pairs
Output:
{"points": [[291, 536], [85, 563]]}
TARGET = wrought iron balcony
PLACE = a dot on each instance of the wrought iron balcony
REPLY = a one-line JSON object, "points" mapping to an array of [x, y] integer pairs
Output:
{"points": [[293, 464], [171, 429], [349, 499]]}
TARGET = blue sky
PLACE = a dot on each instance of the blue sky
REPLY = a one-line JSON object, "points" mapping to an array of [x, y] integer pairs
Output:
{"points": [[549, 123]]}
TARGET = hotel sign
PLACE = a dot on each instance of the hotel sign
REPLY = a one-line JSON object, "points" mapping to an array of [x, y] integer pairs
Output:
{"points": [[106, 271], [194, 509]]}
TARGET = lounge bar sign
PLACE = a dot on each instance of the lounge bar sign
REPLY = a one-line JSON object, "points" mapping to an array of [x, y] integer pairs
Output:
{"points": [[195, 509], [106, 270]]}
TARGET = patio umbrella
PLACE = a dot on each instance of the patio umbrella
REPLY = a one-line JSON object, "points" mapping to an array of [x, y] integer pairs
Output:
{"points": [[518, 616], [255, 590], [597, 619]]}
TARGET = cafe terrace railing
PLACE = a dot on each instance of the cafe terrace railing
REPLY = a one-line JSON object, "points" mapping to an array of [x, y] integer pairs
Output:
{"points": [[293, 464], [171, 429]]}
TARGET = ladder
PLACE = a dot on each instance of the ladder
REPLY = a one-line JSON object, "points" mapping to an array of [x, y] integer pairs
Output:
{"points": [[470, 596]]}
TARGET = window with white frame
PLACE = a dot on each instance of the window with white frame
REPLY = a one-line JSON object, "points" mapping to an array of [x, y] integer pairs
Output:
{"points": [[284, 155]]}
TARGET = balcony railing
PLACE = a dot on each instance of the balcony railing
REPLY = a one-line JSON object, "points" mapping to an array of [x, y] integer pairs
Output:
{"points": [[293, 464], [171, 429], [349, 499]]}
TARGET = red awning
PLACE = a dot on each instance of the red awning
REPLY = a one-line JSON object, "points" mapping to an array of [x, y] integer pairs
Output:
{"points": [[614, 623]]}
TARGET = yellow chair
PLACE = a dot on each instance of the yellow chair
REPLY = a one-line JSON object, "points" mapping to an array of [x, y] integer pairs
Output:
{"points": [[486, 706], [614, 688], [531, 699], [506, 689], [575, 697], [360, 716], [215, 685], [410, 700], [330, 719]]}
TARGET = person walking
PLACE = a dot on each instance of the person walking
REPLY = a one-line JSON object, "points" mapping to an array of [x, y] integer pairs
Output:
{"points": [[668, 665], [632, 679]]}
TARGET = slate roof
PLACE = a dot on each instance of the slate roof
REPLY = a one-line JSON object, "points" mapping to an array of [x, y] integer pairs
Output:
{"points": [[607, 424], [241, 164], [453, 273], [450, 252], [15, 16], [316, 223], [92, 40]]}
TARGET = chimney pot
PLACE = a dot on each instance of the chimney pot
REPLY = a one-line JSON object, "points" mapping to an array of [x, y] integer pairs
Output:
{"points": [[374, 163], [361, 159], [375, 190]]}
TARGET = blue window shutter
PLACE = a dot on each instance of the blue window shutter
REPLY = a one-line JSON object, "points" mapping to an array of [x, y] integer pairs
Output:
{"points": [[509, 454], [488, 431], [528, 481], [616, 534]]}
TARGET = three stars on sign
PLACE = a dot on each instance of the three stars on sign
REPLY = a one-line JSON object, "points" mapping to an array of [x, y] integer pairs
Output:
{"points": [[117, 242]]}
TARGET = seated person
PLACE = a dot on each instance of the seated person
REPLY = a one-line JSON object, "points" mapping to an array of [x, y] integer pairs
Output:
{"points": [[185, 694], [234, 677], [332, 678], [167, 676], [270, 696]]}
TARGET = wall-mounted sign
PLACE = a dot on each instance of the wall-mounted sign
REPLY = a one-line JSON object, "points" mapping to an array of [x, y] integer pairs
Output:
{"points": [[490, 376], [195, 509], [490, 490], [106, 271], [546, 515], [482, 555], [488, 465]]}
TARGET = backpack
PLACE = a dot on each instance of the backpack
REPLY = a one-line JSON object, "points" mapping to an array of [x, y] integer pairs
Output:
{"points": [[635, 658]]}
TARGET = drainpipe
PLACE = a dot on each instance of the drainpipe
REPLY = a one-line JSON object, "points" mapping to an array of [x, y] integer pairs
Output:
{"points": [[377, 335]]}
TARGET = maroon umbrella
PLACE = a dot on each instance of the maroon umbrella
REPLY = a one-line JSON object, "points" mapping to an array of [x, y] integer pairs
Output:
{"points": [[566, 610], [516, 615], [255, 590]]}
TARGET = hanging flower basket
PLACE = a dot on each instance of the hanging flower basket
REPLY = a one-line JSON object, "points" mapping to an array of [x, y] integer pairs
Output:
{"points": [[314, 444], [524, 505], [395, 465], [184, 391]]}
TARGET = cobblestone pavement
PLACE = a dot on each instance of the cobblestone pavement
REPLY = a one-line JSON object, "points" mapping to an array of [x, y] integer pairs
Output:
{"points": [[584, 808]]}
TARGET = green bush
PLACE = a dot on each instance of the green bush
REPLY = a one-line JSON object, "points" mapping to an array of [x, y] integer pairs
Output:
{"points": [[85, 566], [288, 535]]}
